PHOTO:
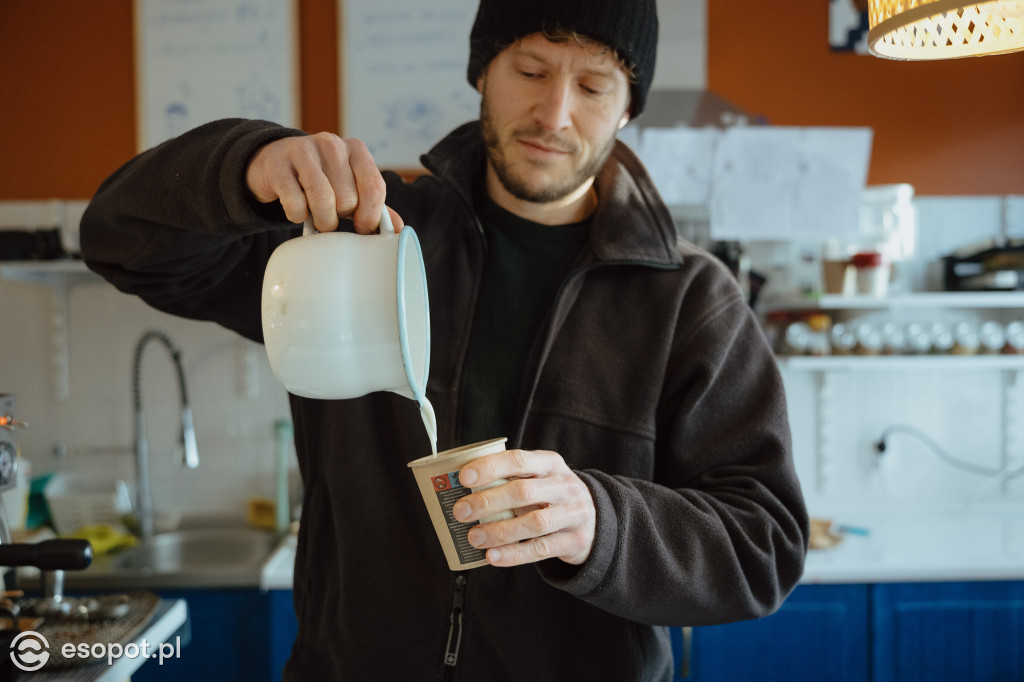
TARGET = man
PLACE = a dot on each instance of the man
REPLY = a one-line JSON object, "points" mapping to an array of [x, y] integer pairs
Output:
{"points": [[649, 445]]}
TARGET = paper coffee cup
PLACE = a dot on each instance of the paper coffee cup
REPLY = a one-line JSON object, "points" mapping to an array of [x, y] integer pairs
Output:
{"points": [[438, 481]]}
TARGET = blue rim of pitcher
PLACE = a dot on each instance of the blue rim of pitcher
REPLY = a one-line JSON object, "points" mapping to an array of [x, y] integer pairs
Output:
{"points": [[418, 390]]}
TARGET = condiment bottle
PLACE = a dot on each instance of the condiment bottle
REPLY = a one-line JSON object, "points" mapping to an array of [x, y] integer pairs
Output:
{"points": [[819, 324], [774, 329]]}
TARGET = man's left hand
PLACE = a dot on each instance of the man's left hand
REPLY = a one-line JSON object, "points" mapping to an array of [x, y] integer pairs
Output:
{"points": [[555, 515]]}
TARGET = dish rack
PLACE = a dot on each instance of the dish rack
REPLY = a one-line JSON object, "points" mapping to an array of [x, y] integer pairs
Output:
{"points": [[77, 501]]}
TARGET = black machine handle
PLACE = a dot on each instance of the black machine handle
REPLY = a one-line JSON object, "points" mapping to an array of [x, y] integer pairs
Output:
{"points": [[67, 554]]}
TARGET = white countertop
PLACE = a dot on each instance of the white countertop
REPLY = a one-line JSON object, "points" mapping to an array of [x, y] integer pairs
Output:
{"points": [[277, 571], [923, 547], [907, 547]]}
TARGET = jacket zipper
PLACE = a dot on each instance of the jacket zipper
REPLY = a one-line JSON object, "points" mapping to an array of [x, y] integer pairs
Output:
{"points": [[476, 298], [451, 649]]}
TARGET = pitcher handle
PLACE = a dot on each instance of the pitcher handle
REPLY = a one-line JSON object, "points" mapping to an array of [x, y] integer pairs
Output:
{"points": [[385, 224]]}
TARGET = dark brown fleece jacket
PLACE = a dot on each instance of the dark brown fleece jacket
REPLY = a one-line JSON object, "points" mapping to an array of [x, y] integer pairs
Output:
{"points": [[652, 380]]}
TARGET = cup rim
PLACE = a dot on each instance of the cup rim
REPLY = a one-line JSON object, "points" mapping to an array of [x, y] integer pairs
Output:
{"points": [[417, 386], [448, 454]]}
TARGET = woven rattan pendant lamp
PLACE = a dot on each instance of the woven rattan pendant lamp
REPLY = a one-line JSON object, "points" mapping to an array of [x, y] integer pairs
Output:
{"points": [[944, 29]]}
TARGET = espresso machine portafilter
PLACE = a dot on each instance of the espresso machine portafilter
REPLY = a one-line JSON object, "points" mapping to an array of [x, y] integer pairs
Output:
{"points": [[53, 557]]}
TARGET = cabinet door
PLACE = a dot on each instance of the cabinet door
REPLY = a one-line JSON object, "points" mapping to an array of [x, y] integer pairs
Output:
{"points": [[229, 638], [960, 632], [819, 633], [284, 625]]}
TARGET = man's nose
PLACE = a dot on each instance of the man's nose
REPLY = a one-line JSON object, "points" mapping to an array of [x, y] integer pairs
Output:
{"points": [[554, 111]]}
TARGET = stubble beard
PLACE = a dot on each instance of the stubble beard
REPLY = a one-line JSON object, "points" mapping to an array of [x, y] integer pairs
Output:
{"points": [[517, 185]]}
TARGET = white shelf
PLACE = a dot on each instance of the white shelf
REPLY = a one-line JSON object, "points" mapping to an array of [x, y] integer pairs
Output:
{"points": [[899, 362], [924, 299]]}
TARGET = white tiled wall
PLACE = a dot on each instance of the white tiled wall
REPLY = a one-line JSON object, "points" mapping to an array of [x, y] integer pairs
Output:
{"points": [[973, 415], [234, 407]]}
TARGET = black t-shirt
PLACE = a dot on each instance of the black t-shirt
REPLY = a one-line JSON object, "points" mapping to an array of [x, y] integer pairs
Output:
{"points": [[525, 265]]}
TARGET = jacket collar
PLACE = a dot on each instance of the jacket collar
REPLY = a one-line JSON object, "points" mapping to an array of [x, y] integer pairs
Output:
{"points": [[631, 224]]}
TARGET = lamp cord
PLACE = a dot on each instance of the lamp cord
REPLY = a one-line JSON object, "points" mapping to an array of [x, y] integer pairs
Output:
{"points": [[937, 450]]}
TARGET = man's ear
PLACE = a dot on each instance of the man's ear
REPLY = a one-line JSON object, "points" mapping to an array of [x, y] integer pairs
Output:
{"points": [[480, 80], [626, 114]]}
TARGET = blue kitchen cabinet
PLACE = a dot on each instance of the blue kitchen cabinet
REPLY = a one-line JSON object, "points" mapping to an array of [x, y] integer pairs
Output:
{"points": [[232, 634], [819, 633], [948, 632], [283, 627]]}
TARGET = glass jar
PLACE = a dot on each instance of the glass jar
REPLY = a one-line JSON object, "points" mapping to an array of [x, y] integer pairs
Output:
{"points": [[798, 338], [965, 339], [869, 340], [991, 337], [894, 340], [1014, 338], [843, 339], [942, 339], [919, 339]]}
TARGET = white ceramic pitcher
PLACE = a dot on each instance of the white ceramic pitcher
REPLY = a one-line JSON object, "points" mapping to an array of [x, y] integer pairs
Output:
{"points": [[347, 314]]}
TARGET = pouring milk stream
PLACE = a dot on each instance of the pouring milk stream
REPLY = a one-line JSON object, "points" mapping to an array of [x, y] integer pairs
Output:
{"points": [[346, 314]]}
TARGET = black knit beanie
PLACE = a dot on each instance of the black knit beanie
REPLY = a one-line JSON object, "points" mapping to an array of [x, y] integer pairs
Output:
{"points": [[630, 27]]}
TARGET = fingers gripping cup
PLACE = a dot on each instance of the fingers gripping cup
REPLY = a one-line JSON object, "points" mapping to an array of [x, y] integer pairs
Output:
{"points": [[346, 314], [438, 481]]}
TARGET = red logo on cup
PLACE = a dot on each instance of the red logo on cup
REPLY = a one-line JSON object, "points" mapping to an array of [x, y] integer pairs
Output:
{"points": [[442, 482]]}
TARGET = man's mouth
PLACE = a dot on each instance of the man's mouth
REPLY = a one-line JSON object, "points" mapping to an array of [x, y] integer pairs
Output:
{"points": [[544, 146]]}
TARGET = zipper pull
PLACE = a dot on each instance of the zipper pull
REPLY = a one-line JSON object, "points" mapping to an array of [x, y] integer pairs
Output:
{"points": [[451, 650]]}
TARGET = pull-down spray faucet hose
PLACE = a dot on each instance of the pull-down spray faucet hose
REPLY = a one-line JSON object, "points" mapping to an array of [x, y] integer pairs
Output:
{"points": [[144, 494]]}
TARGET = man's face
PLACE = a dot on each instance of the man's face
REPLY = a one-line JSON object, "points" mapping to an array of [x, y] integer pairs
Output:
{"points": [[549, 113]]}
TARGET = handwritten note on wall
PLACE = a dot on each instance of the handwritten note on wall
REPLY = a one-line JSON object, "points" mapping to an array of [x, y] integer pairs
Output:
{"points": [[201, 60], [403, 66]]}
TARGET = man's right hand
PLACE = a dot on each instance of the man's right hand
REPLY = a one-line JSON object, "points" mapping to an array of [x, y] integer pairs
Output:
{"points": [[321, 176]]}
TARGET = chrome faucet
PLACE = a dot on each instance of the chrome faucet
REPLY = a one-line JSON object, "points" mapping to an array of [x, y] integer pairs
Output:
{"points": [[187, 442]]}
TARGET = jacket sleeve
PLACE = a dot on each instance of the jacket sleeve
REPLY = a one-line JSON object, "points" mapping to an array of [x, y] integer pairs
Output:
{"points": [[720, 533], [176, 226]]}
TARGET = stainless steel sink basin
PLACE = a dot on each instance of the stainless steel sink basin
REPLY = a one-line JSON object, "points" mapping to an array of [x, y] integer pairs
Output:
{"points": [[200, 549]]}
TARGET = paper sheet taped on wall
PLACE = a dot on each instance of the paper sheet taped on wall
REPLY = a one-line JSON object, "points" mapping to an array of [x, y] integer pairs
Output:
{"points": [[202, 60], [775, 182], [403, 67], [679, 161]]}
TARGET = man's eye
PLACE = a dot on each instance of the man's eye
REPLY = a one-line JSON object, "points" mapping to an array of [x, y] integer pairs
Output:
{"points": [[528, 74]]}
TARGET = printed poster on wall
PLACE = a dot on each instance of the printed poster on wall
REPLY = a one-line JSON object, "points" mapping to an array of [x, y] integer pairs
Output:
{"points": [[403, 74], [202, 60]]}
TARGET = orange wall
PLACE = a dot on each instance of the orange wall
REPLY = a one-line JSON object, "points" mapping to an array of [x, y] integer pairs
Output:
{"points": [[67, 79], [946, 127], [67, 118]]}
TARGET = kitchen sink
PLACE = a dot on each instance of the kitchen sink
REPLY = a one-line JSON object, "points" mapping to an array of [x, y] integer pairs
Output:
{"points": [[192, 556], [199, 549]]}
